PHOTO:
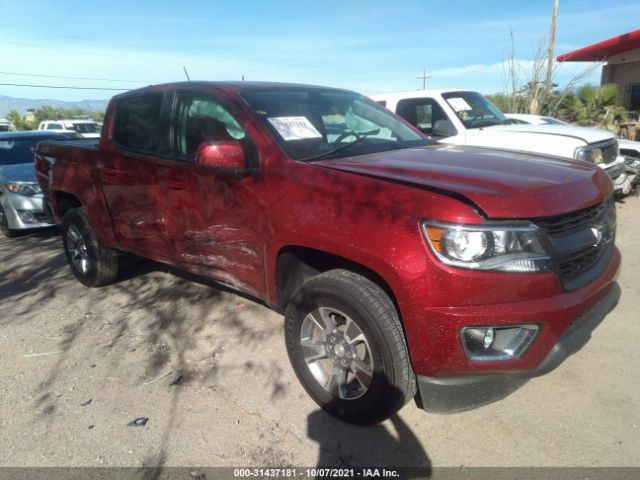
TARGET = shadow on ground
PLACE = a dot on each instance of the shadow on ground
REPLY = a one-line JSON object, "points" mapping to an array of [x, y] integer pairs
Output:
{"points": [[344, 445]]}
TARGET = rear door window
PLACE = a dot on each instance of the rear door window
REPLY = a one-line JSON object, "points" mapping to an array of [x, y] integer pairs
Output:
{"points": [[137, 122]]}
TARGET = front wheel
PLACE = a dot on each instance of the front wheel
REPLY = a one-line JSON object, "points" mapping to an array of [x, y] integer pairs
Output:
{"points": [[92, 264], [347, 347], [4, 224]]}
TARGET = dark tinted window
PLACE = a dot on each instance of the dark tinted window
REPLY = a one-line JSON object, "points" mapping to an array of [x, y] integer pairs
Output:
{"points": [[137, 122], [54, 126], [423, 113], [20, 150]]}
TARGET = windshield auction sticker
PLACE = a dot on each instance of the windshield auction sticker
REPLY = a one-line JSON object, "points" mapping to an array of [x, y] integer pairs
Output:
{"points": [[459, 104], [294, 128]]}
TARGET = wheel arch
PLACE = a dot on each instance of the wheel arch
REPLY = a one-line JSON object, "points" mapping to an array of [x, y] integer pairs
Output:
{"points": [[295, 264]]}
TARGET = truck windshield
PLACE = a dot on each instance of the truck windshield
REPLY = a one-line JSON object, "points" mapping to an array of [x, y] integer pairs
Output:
{"points": [[474, 110], [313, 123]]}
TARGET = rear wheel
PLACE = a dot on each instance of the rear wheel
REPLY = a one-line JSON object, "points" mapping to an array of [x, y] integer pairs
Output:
{"points": [[4, 224], [347, 347], [91, 263]]}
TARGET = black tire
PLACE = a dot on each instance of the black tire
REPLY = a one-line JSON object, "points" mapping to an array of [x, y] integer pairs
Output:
{"points": [[101, 263], [4, 225], [392, 382]]}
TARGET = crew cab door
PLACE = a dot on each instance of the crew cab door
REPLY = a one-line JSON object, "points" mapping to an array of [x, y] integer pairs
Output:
{"points": [[212, 218], [127, 170]]}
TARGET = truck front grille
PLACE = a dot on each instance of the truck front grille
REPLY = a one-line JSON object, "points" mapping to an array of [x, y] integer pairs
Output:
{"points": [[578, 263], [570, 222], [582, 243]]}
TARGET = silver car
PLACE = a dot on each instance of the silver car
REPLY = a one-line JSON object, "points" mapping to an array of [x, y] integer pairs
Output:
{"points": [[21, 201]]}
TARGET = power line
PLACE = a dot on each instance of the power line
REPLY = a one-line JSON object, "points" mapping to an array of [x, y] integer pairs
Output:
{"points": [[65, 87], [75, 78]]}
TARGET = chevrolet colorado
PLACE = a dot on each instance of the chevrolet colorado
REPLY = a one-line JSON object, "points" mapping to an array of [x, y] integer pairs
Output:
{"points": [[404, 268]]}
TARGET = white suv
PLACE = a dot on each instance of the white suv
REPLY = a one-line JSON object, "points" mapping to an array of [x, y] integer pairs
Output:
{"points": [[86, 128]]}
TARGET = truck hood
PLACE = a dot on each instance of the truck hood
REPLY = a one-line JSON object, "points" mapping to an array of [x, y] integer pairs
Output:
{"points": [[19, 172], [586, 134], [501, 183]]}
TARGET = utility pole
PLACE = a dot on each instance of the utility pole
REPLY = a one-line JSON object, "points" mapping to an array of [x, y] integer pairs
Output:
{"points": [[552, 40], [424, 77]]}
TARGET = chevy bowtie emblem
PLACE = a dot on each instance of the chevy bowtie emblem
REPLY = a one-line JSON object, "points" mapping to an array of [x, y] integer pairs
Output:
{"points": [[598, 234]]}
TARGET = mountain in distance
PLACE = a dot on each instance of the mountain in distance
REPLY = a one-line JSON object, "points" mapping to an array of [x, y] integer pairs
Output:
{"points": [[22, 104]]}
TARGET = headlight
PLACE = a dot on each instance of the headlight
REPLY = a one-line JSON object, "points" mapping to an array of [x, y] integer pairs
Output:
{"points": [[590, 154], [493, 248], [26, 189]]}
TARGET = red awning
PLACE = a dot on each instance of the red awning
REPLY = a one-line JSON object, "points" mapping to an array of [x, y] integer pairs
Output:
{"points": [[601, 51]]}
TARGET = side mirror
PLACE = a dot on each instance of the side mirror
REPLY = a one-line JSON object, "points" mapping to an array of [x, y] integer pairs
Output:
{"points": [[227, 156], [444, 128]]}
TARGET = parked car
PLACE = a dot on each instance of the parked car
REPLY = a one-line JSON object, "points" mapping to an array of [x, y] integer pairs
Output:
{"points": [[462, 117], [627, 177], [6, 125], [402, 267], [86, 128], [21, 205]]}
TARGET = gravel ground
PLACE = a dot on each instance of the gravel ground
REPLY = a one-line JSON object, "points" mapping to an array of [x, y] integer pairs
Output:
{"points": [[209, 370]]}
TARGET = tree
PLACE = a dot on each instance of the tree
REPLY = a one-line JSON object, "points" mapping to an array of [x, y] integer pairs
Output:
{"points": [[594, 106], [18, 121], [51, 113]]}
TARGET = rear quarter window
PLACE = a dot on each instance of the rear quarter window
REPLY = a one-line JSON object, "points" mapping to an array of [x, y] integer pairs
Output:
{"points": [[137, 122]]}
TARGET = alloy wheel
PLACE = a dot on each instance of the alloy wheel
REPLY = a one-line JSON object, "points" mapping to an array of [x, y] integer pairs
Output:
{"points": [[337, 353], [77, 250]]}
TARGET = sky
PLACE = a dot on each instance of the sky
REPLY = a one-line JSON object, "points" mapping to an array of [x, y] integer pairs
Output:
{"points": [[365, 45]]}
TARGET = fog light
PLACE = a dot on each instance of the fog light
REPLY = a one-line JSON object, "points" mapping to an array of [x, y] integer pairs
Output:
{"points": [[26, 216], [494, 344]]}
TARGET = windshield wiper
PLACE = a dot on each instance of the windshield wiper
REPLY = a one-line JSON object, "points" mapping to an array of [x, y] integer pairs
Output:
{"points": [[336, 150]]}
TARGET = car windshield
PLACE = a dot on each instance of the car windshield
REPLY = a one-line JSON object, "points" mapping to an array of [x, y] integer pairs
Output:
{"points": [[85, 127], [17, 151], [474, 110], [312, 123]]}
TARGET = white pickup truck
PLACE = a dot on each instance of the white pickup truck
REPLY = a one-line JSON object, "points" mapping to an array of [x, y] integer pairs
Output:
{"points": [[462, 117]]}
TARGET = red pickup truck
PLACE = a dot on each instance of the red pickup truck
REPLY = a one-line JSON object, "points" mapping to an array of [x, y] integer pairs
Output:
{"points": [[404, 268]]}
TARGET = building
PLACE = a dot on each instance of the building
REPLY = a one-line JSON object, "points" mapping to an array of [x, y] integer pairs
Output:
{"points": [[622, 57]]}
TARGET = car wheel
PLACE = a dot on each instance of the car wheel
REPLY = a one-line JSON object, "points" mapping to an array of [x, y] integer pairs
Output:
{"points": [[91, 263], [4, 225], [347, 347]]}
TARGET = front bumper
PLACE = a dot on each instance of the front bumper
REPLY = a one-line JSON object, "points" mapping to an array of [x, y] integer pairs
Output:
{"points": [[450, 395], [25, 212]]}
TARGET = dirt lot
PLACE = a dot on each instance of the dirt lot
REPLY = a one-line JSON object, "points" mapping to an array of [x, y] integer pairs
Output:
{"points": [[209, 370]]}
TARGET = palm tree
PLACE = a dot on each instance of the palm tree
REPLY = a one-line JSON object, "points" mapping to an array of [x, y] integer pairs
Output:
{"points": [[594, 107]]}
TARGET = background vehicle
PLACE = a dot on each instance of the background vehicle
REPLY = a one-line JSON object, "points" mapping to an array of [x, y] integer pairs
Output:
{"points": [[629, 150], [400, 266], [6, 125], [21, 205], [463, 117], [86, 128]]}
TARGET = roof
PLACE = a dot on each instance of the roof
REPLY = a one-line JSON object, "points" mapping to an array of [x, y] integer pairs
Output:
{"points": [[224, 85], [417, 93], [601, 51]]}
